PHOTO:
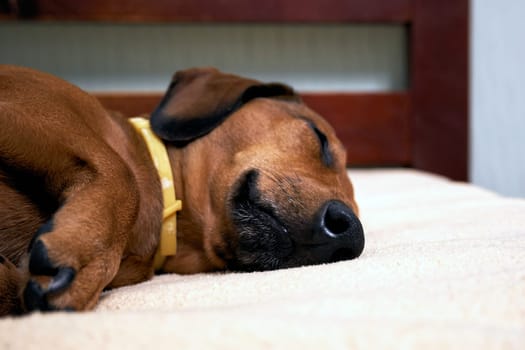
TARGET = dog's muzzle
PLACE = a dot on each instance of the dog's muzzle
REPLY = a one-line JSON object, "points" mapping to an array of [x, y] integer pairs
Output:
{"points": [[272, 236]]}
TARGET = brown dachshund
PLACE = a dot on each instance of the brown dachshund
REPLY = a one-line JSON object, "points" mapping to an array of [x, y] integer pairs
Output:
{"points": [[261, 178]]}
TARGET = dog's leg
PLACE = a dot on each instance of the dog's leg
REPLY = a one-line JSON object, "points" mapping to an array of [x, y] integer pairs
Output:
{"points": [[78, 251], [10, 286]]}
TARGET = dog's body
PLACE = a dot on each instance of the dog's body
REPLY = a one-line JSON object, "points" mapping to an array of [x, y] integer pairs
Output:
{"points": [[262, 179]]}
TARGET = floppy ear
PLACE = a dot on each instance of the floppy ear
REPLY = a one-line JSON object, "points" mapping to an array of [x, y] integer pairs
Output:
{"points": [[199, 99]]}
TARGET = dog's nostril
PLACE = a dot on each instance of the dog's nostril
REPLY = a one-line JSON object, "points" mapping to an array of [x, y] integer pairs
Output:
{"points": [[336, 222], [337, 218], [337, 233]]}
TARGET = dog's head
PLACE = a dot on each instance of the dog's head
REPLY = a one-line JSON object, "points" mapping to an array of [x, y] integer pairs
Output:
{"points": [[262, 177]]}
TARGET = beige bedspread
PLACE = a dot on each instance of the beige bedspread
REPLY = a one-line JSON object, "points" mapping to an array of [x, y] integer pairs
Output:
{"points": [[443, 267]]}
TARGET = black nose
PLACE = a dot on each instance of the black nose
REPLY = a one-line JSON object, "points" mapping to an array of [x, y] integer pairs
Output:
{"points": [[337, 233]]}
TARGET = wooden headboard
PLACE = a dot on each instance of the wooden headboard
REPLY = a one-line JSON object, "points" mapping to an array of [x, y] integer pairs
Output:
{"points": [[424, 127]]}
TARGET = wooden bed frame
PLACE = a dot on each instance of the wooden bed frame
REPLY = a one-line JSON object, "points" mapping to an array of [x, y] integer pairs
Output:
{"points": [[425, 127]]}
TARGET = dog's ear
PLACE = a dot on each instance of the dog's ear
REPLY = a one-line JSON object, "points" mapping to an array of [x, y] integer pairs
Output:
{"points": [[199, 99]]}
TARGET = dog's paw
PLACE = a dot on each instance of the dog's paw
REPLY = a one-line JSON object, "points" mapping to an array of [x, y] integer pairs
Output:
{"points": [[66, 274], [47, 282]]}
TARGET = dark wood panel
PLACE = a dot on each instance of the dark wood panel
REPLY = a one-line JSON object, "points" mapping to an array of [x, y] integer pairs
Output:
{"points": [[374, 127], [440, 87], [217, 10]]}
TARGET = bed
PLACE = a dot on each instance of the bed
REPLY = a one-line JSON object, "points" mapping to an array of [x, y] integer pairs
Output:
{"points": [[444, 262], [443, 267]]}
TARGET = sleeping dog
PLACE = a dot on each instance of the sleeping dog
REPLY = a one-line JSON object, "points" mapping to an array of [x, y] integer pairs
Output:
{"points": [[227, 173]]}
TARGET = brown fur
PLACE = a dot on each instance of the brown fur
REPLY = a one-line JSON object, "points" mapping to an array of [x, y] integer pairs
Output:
{"points": [[64, 158]]}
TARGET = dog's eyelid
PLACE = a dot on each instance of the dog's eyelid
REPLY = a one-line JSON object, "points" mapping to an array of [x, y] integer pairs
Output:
{"points": [[326, 154]]}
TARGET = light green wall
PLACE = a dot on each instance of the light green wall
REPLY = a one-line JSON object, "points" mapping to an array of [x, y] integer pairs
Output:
{"points": [[143, 57]]}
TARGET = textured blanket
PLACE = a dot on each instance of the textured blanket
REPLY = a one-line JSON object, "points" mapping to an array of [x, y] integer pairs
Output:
{"points": [[443, 267]]}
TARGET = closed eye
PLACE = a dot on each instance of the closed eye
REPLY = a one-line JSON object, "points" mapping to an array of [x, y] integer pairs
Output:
{"points": [[326, 154]]}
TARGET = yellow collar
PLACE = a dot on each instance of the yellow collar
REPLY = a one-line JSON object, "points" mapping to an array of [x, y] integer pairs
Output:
{"points": [[168, 237]]}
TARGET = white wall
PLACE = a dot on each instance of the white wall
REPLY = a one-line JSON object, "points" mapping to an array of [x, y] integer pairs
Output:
{"points": [[498, 96]]}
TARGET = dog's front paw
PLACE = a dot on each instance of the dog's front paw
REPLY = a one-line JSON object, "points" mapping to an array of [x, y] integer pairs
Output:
{"points": [[48, 281], [65, 274]]}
